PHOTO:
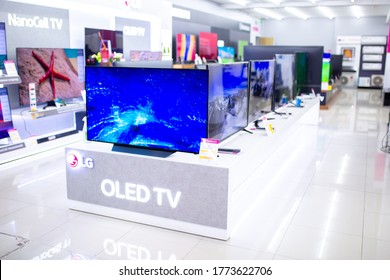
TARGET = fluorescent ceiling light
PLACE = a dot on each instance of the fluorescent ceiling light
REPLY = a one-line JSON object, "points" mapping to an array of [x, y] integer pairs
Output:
{"points": [[268, 13], [357, 11], [326, 12], [296, 12], [276, 2], [240, 2]]}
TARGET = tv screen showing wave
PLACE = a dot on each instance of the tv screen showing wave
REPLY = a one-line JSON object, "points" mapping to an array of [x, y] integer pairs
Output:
{"points": [[261, 87], [228, 101], [162, 109]]}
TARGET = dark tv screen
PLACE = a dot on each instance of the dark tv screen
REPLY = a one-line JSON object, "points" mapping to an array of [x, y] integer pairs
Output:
{"points": [[336, 66], [300, 73], [260, 87], [56, 72], [284, 77], [228, 101], [5, 114], [3, 45], [161, 109]]}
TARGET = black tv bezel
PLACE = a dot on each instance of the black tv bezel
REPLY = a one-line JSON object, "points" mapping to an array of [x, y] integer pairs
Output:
{"points": [[264, 110], [247, 95], [121, 147], [4, 132]]}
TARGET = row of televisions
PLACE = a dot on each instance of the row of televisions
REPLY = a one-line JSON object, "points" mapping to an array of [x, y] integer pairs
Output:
{"points": [[165, 108]]}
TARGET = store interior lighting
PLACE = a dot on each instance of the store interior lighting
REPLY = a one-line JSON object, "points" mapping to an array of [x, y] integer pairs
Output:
{"points": [[326, 12], [268, 13], [296, 12]]}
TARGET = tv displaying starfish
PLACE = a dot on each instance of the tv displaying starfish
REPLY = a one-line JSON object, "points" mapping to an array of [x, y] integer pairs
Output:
{"points": [[50, 72]]}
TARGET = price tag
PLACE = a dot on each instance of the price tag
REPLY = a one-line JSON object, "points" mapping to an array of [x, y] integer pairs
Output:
{"points": [[269, 129], [208, 149]]}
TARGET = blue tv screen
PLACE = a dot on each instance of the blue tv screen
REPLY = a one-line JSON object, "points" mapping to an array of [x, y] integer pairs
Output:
{"points": [[228, 101], [5, 114], [261, 87], [161, 109]]}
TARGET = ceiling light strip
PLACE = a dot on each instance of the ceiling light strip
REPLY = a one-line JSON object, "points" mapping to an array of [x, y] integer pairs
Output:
{"points": [[268, 13]]}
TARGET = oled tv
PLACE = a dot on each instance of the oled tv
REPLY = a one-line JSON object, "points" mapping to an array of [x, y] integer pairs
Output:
{"points": [[260, 88], [151, 108], [284, 78], [228, 101], [57, 73]]}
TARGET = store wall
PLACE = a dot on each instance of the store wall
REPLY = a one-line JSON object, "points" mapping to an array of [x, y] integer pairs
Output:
{"points": [[321, 31]]}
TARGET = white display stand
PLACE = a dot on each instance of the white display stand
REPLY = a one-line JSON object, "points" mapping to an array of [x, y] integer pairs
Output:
{"points": [[181, 191]]}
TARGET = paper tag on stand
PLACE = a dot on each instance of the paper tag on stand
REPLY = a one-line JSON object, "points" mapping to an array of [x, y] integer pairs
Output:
{"points": [[14, 135], [208, 149], [269, 129]]}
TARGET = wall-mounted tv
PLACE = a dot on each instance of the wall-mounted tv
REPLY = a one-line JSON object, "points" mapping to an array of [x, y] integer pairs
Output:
{"points": [[228, 101], [260, 88], [57, 73], [96, 39], [284, 78], [161, 109], [314, 60], [185, 47], [5, 114], [3, 45]]}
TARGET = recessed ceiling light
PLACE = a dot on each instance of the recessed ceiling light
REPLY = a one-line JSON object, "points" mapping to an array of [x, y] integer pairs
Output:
{"points": [[240, 2], [296, 12], [326, 12]]}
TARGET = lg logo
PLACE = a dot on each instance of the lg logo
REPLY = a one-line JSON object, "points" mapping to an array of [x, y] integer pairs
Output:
{"points": [[75, 160]]}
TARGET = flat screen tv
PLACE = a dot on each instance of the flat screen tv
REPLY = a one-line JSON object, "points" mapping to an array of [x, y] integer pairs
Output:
{"points": [[336, 66], [5, 114], [261, 88], [3, 45], [56, 72], [96, 39], [228, 101], [284, 78], [208, 48], [314, 60], [152, 108], [185, 47], [301, 59]]}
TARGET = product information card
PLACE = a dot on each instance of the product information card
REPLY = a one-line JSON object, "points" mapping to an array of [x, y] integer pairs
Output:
{"points": [[208, 149]]}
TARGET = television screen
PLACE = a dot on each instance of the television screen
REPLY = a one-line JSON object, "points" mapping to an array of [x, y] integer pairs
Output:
{"points": [[325, 72], [96, 39], [260, 87], [301, 59], [208, 45], [284, 78], [3, 45], [314, 60], [57, 73], [228, 99], [226, 54], [336, 66], [5, 114], [186, 47], [155, 108]]}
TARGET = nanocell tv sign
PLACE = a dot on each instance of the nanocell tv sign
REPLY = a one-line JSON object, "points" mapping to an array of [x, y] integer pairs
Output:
{"points": [[35, 22]]}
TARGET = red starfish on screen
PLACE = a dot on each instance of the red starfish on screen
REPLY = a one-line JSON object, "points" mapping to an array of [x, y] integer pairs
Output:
{"points": [[50, 72]]}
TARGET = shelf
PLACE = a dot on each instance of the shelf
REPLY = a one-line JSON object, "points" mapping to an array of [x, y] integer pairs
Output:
{"points": [[49, 111], [10, 80]]}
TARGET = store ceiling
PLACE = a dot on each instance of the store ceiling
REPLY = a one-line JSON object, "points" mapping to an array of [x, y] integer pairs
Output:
{"points": [[336, 8]]}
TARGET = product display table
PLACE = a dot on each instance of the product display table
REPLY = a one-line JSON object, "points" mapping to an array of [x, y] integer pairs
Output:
{"points": [[177, 191]]}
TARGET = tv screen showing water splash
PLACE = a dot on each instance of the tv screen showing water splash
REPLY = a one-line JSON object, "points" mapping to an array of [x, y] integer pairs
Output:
{"points": [[228, 101], [261, 88], [161, 109]]}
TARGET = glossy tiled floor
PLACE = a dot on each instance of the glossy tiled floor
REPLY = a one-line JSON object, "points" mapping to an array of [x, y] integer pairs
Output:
{"points": [[328, 197]]}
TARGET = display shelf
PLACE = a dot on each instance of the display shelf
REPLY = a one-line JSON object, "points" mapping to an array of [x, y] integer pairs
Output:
{"points": [[181, 190], [35, 145], [49, 111], [9, 80]]}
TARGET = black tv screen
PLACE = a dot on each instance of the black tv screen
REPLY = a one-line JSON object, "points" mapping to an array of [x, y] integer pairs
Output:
{"points": [[161, 109], [3, 45], [336, 66], [5, 114], [260, 87], [228, 101], [284, 78], [300, 73], [56, 72]]}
